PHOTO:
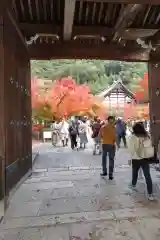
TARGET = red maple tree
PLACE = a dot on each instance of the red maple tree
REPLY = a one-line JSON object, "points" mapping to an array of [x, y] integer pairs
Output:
{"points": [[34, 91], [65, 98], [141, 93], [129, 110]]}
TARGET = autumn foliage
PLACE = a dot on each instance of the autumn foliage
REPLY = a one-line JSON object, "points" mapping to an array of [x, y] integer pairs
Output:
{"points": [[141, 93], [129, 110], [34, 92], [136, 110], [65, 98]]}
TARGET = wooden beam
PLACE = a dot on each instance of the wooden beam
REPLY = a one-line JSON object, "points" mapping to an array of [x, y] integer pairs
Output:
{"points": [[69, 10], [154, 55], [4, 4], [155, 41], [91, 31], [76, 50], [155, 38], [134, 33], [125, 19], [155, 2], [129, 33], [32, 29], [157, 19], [17, 28]]}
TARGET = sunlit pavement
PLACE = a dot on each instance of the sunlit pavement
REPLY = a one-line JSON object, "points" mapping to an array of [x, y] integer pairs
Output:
{"points": [[65, 198]]}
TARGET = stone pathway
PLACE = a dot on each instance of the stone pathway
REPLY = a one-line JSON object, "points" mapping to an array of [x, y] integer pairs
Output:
{"points": [[1, 209], [65, 199]]}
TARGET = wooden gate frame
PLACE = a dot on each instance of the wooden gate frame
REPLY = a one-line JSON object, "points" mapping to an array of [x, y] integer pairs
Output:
{"points": [[15, 107]]}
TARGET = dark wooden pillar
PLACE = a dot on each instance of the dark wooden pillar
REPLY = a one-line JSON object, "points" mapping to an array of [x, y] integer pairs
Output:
{"points": [[154, 99], [4, 4], [15, 106], [2, 110]]}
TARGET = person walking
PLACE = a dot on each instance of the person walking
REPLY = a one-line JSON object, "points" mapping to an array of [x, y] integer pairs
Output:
{"points": [[107, 135], [73, 133], [64, 132], [83, 130], [55, 133], [121, 132], [141, 150], [95, 135]]}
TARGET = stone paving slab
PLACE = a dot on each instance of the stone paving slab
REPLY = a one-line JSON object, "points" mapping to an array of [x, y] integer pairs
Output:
{"points": [[82, 217], [31, 195], [65, 199], [66, 177], [90, 188], [52, 177], [73, 192], [94, 203], [123, 230], [101, 230], [23, 210], [149, 228], [1, 209], [44, 233], [47, 185]]}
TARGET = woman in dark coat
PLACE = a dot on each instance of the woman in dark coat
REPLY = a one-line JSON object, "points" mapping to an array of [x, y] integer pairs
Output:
{"points": [[73, 133]]}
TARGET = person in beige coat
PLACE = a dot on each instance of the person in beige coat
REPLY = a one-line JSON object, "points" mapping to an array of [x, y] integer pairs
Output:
{"points": [[140, 148]]}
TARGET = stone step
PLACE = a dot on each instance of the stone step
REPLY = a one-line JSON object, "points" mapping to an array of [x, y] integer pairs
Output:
{"points": [[68, 176], [77, 199], [71, 168], [78, 175], [85, 217]]}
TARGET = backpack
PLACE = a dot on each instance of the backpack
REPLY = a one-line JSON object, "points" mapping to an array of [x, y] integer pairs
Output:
{"points": [[121, 129], [96, 129], [73, 130], [82, 128], [145, 149]]}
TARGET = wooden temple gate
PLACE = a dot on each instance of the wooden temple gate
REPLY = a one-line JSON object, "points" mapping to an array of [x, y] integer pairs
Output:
{"points": [[72, 29], [15, 110]]}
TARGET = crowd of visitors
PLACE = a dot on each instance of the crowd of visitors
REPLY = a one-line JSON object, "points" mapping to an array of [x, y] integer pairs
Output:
{"points": [[77, 130], [107, 138]]}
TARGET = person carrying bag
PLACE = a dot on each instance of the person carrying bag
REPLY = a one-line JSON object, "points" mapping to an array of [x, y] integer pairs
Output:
{"points": [[142, 153]]}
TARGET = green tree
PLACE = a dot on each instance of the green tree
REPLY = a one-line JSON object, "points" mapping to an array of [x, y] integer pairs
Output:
{"points": [[98, 74]]}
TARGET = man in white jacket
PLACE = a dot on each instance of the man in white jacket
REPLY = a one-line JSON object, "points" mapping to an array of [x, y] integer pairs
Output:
{"points": [[64, 132]]}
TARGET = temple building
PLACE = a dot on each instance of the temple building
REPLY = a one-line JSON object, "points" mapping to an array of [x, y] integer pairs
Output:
{"points": [[115, 97], [42, 84]]}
